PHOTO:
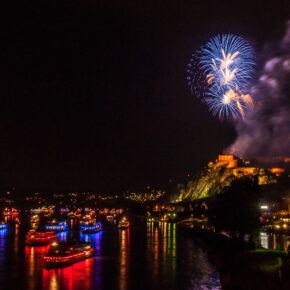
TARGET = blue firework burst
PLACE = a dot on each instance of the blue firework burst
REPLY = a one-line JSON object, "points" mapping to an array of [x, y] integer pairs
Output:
{"points": [[223, 68]]}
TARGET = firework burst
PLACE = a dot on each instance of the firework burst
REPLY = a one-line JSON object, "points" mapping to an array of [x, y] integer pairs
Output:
{"points": [[196, 78], [226, 65]]}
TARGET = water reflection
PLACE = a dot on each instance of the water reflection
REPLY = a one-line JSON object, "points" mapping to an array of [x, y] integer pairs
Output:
{"points": [[34, 257], [124, 238], [95, 240], [77, 276], [151, 256], [16, 241], [85, 274], [62, 236], [7, 218], [274, 241], [3, 234], [194, 270], [161, 242]]}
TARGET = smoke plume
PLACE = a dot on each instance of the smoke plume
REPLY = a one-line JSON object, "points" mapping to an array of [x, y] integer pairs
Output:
{"points": [[265, 130]]}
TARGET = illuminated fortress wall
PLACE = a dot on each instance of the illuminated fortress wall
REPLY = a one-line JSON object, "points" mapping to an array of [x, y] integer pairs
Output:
{"points": [[277, 171], [226, 158], [227, 161], [240, 171]]}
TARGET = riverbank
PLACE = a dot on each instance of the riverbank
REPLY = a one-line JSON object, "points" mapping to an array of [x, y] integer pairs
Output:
{"points": [[242, 269]]}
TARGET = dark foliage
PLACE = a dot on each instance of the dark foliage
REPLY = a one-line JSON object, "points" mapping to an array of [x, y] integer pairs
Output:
{"points": [[236, 209]]}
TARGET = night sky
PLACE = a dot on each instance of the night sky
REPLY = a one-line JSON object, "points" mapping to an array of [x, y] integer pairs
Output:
{"points": [[93, 94]]}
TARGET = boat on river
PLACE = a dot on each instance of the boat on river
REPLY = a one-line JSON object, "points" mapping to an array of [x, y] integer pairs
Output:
{"points": [[91, 228], [110, 218], [40, 238], [8, 212], [57, 226], [66, 253], [123, 224], [3, 226]]}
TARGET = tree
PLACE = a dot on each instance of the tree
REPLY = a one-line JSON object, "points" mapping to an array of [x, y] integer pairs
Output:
{"points": [[236, 209]]}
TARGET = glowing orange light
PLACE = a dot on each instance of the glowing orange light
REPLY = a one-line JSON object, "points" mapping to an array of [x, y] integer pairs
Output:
{"points": [[277, 171]]}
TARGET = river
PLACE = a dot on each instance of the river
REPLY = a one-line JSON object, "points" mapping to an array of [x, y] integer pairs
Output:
{"points": [[146, 256]]}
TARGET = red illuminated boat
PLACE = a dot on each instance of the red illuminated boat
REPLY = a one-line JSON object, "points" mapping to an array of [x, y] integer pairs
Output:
{"points": [[123, 224], [8, 212], [66, 253], [39, 238], [14, 212]]}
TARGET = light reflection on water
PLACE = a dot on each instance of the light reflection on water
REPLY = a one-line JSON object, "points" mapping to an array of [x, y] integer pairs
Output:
{"points": [[33, 258], [142, 257], [62, 236], [274, 241], [177, 257], [124, 238], [76, 276], [3, 234]]}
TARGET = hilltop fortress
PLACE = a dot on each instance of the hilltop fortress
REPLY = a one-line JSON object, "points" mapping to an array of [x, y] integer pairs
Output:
{"points": [[222, 172], [241, 167]]}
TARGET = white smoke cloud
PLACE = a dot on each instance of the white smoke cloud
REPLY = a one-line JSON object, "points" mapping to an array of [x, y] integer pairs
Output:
{"points": [[266, 130]]}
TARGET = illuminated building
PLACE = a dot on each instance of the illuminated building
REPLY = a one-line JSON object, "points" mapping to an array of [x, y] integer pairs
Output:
{"points": [[277, 171]]}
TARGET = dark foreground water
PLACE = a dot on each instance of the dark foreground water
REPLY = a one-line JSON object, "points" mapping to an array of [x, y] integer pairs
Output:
{"points": [[146, 256]]}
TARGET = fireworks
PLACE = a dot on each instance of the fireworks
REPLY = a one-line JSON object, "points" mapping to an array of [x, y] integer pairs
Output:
{"points": [[196, 79], [225, 64]]}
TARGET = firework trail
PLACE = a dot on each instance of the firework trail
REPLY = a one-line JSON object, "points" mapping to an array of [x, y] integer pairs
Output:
{"points": [[196, 78], [226, 64]]}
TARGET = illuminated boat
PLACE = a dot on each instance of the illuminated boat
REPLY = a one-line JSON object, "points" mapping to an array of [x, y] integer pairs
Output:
{"points": [[34, 219], [57, 226], [67, 253], [38, 238], [3, 226], [87, 219], [110, 218], [14, 212], [123, 223], [44, 211], [7, 212], [91, 228], [104, 211], [64, 210], [73, 214]]}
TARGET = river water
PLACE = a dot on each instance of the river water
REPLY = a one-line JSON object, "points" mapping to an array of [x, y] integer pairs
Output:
{"points": [[273, 241], [146, 256]]}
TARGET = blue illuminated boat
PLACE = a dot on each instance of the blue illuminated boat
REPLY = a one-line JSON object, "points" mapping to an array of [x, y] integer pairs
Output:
{"points": [[3, 226], [57, 226], [91, 228]]}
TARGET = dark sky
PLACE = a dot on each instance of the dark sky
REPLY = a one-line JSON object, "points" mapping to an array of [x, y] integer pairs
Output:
{"points": [[93, 93]]}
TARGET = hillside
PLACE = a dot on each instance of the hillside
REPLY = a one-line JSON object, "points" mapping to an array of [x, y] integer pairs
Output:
{"points": [[221, 173]]}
